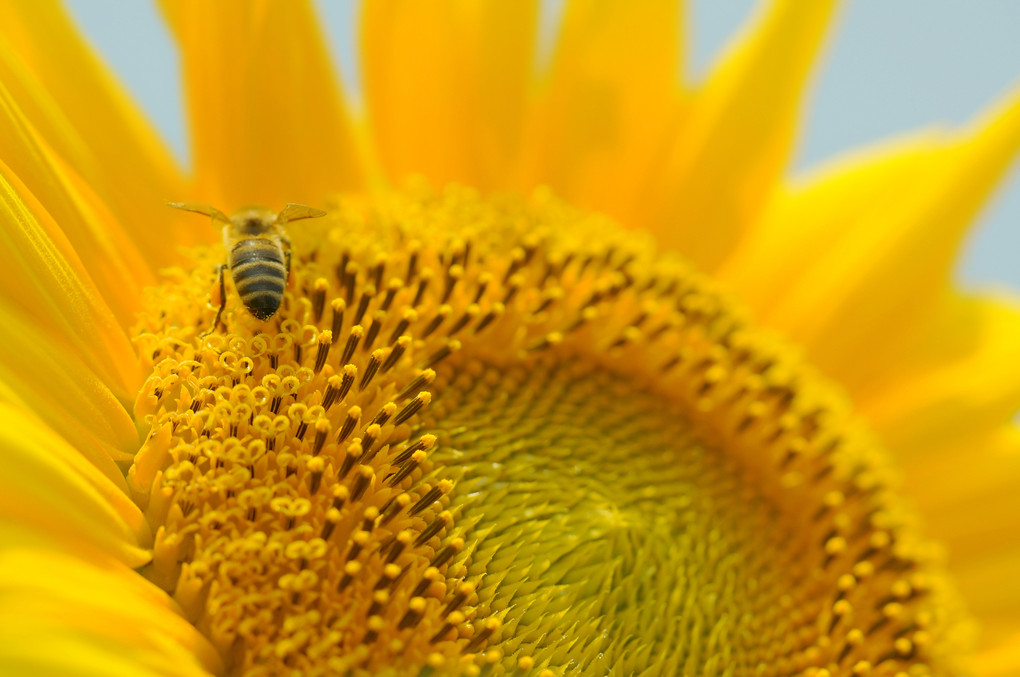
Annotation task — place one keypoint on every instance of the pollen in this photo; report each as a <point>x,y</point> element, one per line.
<point>503,436</point>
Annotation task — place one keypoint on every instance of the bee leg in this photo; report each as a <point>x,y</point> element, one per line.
<point>223,303</point>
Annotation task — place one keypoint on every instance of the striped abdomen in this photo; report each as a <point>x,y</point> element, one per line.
<point>259,273</point>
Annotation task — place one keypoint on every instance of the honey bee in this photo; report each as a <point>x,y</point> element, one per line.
<point>258,253</point>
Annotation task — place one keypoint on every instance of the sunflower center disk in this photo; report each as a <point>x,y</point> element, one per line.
<point>605,533</point>
<point>499,436</point>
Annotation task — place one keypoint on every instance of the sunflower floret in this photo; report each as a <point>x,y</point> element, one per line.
<point>505,435</point>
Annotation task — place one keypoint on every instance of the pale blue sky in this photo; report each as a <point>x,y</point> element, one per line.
<point>894,65</point>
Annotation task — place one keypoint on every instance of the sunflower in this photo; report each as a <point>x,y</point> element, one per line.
<point>570,379</point>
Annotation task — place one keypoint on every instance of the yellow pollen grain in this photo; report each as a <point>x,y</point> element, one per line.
<point>495,436</point>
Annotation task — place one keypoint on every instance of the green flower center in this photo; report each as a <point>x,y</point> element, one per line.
<point>609,538</point>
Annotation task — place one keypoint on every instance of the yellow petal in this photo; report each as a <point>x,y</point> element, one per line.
<point>802,219</point>
<point>61,616</point>
<point>42,375</point>
<point>1002,659</point>
<point>42,276</point>
<point>446,83</point>
<point>992,593</point>
<point>891,265</point>
<point>97,239</point>
<point>968,496</point>
<point>966,491</point>
<point>49,486</point>
<point>268,123</point>
<point>948,392</point>
<point>738,135</point>
<point>43,651</point>
<point>90,122</point>
<point>610,101</point>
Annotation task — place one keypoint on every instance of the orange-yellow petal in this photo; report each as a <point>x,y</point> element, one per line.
<point>738,135</point>
<point>890,265</point>
<point>49,486</point>
<point>605,111</point>
<point>267,119</point>
<point>446,85</point>
<point>969,499</point>
<point>40,373</point>
<point>61,616</point>
<point>90,122</point>
<point>98,240</point>
<point>1002,660</point>
<point>953,391</point>
<point>934,373</point>
<point>41,274</point>
<point>801,219</point>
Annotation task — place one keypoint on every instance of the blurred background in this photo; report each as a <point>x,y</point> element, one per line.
<point>892,66</point>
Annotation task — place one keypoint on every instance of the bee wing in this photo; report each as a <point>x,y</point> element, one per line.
<point>199,208</point>
<point>293,212</point>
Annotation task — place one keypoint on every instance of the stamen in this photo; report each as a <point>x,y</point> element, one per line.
<point>464,591</point>
<point>447,553</point>
<point>378,317</point>
<point>516,260</point>
<point>350,281</point>
<point>372,368</point>
<point>332,393</point>
<point>440,317</point>
<point>378,270</point>
<point>513,285</point>
<point>441,354</point>
<point>396,352</point>
<point>319,298</point>
<point>384,414</point>
<point>338,306</point>
<point>452,621</point>
<point>392,288</point>
<point>406,469</point>
<point>353,416</point>
<point>362,481</point>
<point>322,429</point>
<point>424,444</point>
<point>444,487</point>
<point>394,508</point>
<point>316,467</point>
<point>484,280</point>
<point>366,298</point>
<point>413,407</point>
<point>444,520</point>
<point>406,319</point>
<point>490,626</point>
<point>412,265</point>
<point>346,381</point>
<point>324,342</point>
<point>372,433</point>
<point>453,275</point>
<point>423,283</point>
<point>496,310</point>
<point>402,540</point>
<point>352,343</point>
<point>414,613</point>
<point>470,313</point>
<point>423,379</point>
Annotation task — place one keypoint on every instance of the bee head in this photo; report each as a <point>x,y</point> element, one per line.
<point>253,220</point>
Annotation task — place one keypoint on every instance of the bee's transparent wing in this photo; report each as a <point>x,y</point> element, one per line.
<point>199,208</point>
<point>293,212</point>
